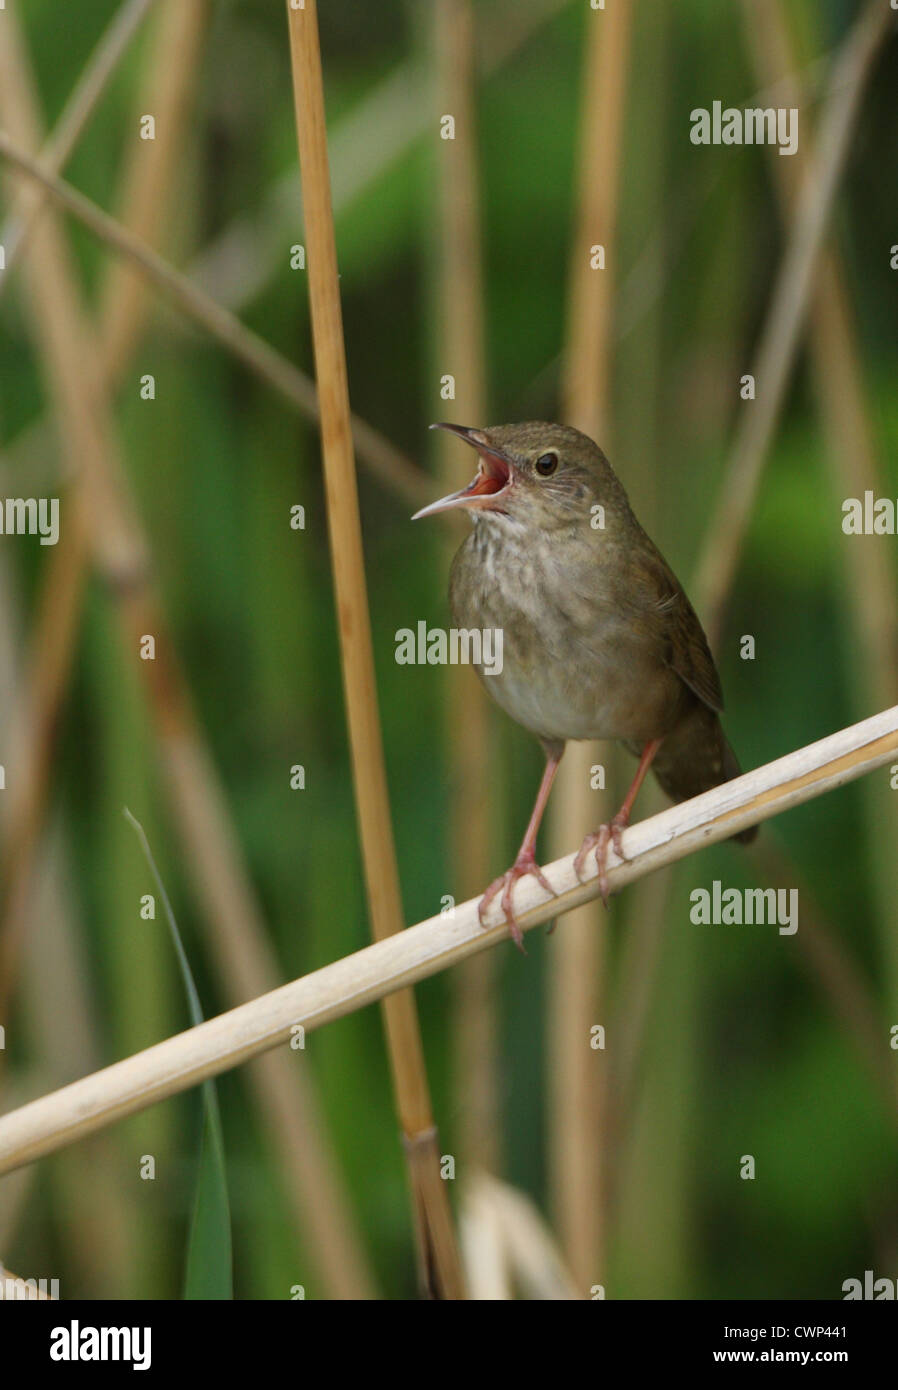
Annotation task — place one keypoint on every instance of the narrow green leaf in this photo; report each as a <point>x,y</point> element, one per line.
<point>209,1273</point>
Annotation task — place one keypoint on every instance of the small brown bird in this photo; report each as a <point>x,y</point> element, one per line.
<point>599,639</point>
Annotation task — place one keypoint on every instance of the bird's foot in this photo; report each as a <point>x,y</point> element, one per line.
<point>597,842</point>
<point>504,884</point>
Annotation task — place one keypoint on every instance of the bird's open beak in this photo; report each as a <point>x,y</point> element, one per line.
<point>493,476</point>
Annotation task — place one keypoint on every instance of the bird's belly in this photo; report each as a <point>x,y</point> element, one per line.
<point>592,698</point>
<point>571,668</point>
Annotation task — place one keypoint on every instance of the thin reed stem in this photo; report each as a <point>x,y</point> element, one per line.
<point>576,1073</point>
<point>461,353</point>
<point>439,1264</point>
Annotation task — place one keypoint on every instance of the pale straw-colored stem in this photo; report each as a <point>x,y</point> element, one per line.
<point>460,349</point>
<point>575,1074</point>
<point>401,959</point>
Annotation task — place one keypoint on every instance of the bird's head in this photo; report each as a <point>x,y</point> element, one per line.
<point>536,474</point>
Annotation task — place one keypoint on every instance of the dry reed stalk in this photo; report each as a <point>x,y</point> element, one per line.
<point>577,983</point>
<point>147,181</point>
<point>384,460</point>
<point>439,1265</point>
<point>854,468</point>
<point>403,958</point>
<point>213,857</point>
<point>461,337</point>
<point>791,294</point>
<point>79,108</point>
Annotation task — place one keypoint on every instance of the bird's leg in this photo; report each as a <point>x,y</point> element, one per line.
<point>598,840</point>
<point>526,860</point>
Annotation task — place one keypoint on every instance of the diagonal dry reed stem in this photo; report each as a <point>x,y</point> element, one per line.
<point>213,856</point>
<point>78,110</point>
<point>439,1264</point>
<point>575,1072</point>
<point>401,959</point>
<point>385,462</point>
<point>791,295</point>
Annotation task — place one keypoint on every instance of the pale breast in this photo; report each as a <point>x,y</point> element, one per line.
<point>571,668</point>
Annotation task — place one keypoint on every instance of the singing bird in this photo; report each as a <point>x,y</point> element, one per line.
<point>599,639</point>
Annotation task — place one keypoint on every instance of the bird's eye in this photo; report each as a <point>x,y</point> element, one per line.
<point>546,465</point>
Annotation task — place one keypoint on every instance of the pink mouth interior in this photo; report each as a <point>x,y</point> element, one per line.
<point>492,475</point>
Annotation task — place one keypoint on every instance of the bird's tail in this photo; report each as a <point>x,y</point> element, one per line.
<point>696,757</point>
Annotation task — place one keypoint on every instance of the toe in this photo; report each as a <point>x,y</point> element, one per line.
<point>542,880</point>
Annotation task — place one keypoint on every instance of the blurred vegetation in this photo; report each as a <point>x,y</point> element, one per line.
<point>743,1053</point>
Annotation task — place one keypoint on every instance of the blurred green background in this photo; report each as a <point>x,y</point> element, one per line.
<point>743,1052</point>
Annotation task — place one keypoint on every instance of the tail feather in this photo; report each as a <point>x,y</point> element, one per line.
<point>695,757</point>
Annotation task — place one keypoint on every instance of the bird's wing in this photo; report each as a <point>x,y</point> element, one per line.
<point>664,606</point>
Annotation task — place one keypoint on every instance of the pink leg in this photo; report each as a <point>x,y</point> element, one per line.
<point>598,840</point>
<point>526,860</point>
